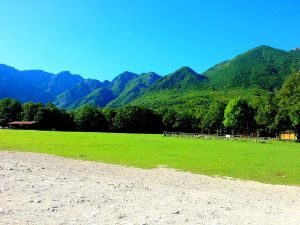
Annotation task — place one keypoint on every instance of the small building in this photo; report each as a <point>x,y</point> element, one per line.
<point>23,124</point>
<point>288,136</point>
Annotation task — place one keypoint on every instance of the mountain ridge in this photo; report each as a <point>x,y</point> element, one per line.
<point>263,67</point>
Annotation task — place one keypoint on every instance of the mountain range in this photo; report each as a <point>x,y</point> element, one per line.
<point>260,69</point>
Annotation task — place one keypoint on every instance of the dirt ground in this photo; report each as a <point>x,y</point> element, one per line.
<point>42,189</point>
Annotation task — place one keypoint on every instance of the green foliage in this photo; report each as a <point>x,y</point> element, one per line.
<point>183,78</point>
<point>29,111</point>
<point>289,101</point>
<point>262,67</point>
<point>178,121</point>
<point>212,121</point>
<point>100,98</point>
<point>190,101</point>
<point>49,117</point>
<point>136,119</point>
<point>238,115</point>
<point>169,118</point>
<point>110,115</point>
<point>76,93</point>
<point>185,122</point>
<point>118,83</point>
<point>266,111</point>
<point>10,110</point>
<point>134,89</point>
<point>89,118</point>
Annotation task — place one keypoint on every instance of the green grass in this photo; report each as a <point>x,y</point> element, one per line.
<point>276,162</point>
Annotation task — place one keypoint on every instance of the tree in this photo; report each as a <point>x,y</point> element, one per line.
<point>55,118</point>
<point>289,103</point>
<point>110,115</point>
<point>29,111</point>
<point>89,118</point>
<point>185,122</point>
<point>266,111</point>
<point>238,115</point>
<point>137,119</point>
<point>168,119</point>
<point>49,117</point>
<point>41,117</point>
<point>10,110</point>
<point>212,120</point>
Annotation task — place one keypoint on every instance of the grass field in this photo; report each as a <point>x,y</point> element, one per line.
<point>276,162</point>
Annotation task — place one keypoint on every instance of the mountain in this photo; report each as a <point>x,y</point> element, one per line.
<point>134,89</point>
<point>119,82</point>
<point>172,90</point>
<point>64,89</point>
<point>76,93</point>
<point>183,78</point>
<point>94,92</point>
<point>256,71</point>
<point>262,67</point>
<point>61,82</point>
<point>34,85</point>
<point>99,97</point>
<point>150,89</point>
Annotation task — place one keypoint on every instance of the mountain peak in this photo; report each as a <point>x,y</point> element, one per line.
<point>135,88</point>
<point>64,73</point>
<point>150,74</point>
<point>184,78</point>
<point>186,69</point>
<point>126,73</point>
<point>119,82</point>
<point>261,67</point>
<point>4,67</point>
<point>263,48</point>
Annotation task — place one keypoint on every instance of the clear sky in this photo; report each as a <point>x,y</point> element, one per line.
<point>102,38</point>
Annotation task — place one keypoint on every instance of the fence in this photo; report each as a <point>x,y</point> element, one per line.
<point>217,137</point>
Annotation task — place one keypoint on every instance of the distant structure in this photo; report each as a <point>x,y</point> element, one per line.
<point>289,136</point>
<point>22,124</point>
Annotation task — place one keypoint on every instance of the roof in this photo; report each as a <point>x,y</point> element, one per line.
<point>22,122</point>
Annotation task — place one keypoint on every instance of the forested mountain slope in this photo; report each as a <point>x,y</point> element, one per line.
<point>262,69</point>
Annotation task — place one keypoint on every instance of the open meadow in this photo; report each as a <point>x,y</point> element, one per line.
<point>274,163</point>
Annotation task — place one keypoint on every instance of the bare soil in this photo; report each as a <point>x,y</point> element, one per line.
<point>43,189</point>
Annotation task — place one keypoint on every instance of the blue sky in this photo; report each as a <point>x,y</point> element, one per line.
<point>102,38</point>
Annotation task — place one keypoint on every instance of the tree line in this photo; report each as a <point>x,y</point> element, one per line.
<point>271,114</point>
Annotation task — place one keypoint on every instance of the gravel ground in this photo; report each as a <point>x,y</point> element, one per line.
<point>43,189</point>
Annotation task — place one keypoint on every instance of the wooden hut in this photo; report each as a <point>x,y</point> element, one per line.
<point>23,124</point>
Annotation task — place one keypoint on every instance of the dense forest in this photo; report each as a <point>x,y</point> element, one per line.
<point>269,113</point>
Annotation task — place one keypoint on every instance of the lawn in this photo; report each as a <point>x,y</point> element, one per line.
<point>275,163</point>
